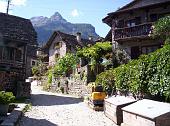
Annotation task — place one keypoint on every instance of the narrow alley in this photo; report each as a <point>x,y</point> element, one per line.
<point>50,109</point>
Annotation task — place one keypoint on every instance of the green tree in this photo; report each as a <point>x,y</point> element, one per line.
<point>96,53</point>
<point>65,64</point>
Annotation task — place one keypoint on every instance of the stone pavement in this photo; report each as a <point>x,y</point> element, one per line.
<point>50,109</point>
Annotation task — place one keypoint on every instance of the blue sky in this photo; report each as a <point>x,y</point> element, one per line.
<point>75,11</point>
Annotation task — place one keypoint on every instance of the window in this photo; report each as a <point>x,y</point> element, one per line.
<point>153,17</point>
<point>149,49</point>
<point>8,53</point>
<point>131,23</point>
<point>57,56</point>
<point>18,55</point>
<point>33,63</point>
<point>135,52</point>
<point>69,49</point>
<point>138,20</point>
<point>121,24</point>
<point>57,45</point>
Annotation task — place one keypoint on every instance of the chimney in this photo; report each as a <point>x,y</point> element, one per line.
<point>91,38</point>
<point>78,36</point>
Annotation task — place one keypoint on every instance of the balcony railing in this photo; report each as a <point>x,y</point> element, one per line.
<point>12,57</point>
<point>12,63</point>
<point>141,30</point>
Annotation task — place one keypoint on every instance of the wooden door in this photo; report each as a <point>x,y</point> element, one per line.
<point>135,52</point>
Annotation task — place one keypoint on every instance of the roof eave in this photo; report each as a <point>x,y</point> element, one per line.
<point>49,42</point>
<point>107,20</point>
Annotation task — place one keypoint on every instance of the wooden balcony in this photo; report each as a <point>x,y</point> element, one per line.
<point>12,57</point>
<point>138,31</point>
<point>12,63</point>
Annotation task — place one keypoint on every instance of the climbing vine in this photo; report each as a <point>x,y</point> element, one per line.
<point>96,53</point>
<point>65,64</point>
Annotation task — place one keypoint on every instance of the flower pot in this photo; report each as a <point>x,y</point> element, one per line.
<point>4,109</point>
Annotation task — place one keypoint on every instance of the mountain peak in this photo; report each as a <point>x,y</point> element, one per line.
<point>57,17</point>
<point>35,20</point>
<point>46,26</point>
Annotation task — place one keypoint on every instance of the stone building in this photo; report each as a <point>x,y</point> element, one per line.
<point>131,26</point>
<point>17,51</point>
<point>58,45</point>
<point>61,43</point>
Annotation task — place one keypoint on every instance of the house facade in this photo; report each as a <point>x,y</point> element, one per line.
<point>17,49</point>
<point>61,43</point>
<point>131,26</point>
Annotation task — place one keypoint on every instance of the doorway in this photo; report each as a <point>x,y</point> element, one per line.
<point>135,52</point>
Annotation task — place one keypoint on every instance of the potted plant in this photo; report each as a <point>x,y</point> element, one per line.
<point>5,99</point>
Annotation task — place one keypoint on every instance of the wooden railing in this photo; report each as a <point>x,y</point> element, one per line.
<point>12,63</point>
<point>13,59</point>
<point>141,30</point>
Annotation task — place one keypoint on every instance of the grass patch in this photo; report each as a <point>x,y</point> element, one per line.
<point>20,100</point>
<point>27,108</point>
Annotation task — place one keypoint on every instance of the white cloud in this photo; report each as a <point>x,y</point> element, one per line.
<point>75,13</point>
<point>3,4</point>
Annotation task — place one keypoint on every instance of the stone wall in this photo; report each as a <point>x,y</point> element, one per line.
<point>61,50</point>
<point>76,84</point>
<point>8,81</point>
<point>11,82</point>
<point>23,89</point>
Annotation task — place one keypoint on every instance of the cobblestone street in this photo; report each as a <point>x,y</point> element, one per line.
<point>50,109</point>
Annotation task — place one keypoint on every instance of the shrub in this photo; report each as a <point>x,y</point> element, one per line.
<point>106,79</point>
<point>159,72</point>
<point>162,27</point>
<point>6,97</point>
<point>149,75</point>
<point>50,75</point>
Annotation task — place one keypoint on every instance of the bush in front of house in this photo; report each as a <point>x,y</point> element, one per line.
<point>106,79</point>
<point>162,28</point>
<point>6,97</point>
<point>149,75</point>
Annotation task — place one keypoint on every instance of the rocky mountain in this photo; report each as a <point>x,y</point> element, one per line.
<point>45,27</point>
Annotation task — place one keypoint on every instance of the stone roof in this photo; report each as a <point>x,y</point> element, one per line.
<point>17,28</point>
<point>141,3</point>
<point>68,39</point>
<point>135,4</point>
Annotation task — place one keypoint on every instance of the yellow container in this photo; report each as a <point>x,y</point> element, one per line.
<point>98,95</point>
